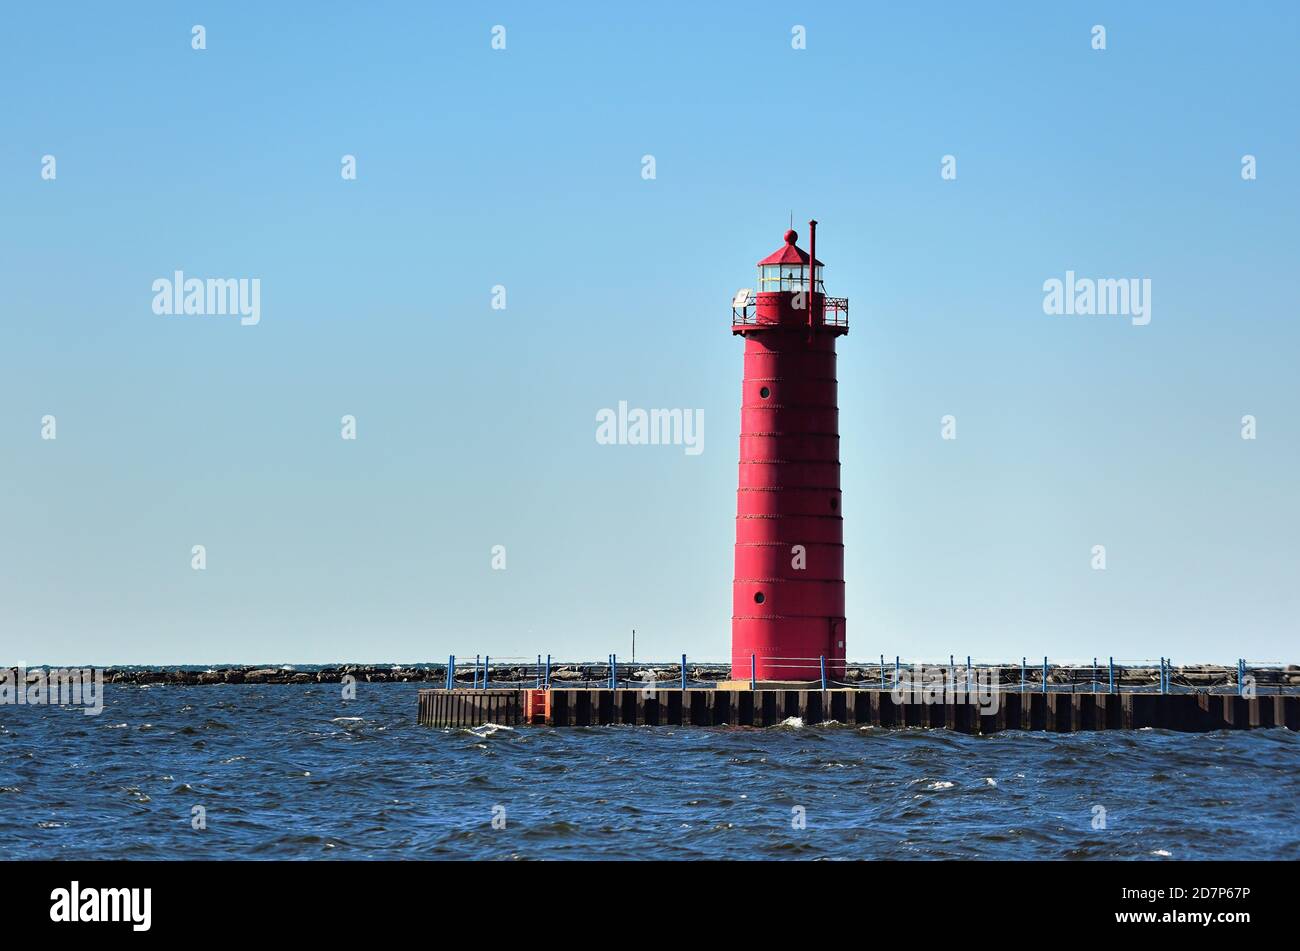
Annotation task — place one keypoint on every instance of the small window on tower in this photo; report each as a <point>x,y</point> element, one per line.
<point>765,392</point>
<point>835,504</point>
<point>758,597</point>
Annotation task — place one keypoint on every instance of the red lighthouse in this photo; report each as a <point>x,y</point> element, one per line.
<point>788,593</point>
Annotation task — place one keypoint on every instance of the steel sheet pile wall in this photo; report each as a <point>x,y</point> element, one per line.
<point>1054,712</point>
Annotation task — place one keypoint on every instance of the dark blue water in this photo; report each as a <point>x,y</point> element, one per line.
<point>297,772</point>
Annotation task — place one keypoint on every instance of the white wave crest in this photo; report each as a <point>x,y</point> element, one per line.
<point>487,729</point>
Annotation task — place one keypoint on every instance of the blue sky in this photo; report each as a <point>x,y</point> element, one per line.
<point>476,427</point>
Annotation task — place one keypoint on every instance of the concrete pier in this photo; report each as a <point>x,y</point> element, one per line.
<point>1053,712</point>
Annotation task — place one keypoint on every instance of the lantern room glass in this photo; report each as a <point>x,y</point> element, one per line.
<point>786,277</point>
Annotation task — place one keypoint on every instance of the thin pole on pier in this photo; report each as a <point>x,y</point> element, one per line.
<point>683,673</point>
<point>539,671</point>
<point>882,671</point>
<point>478,658</point>
<point>486,673</point>
<point>969,679</point>
<point>896,670</point>
<point>1094,673</point>
<point>952,672</point>
<point>1044,675</point>
<point>451,670</point>
<point>1241,677</point>
<point>1024,673</point>
<point>753,673</point>
<point>613,671</point>
<point>1112,675</point>
<point>823,661</point>
<point>548,671</point>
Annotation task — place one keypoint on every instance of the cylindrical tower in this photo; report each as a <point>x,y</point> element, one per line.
<point>788,593</point>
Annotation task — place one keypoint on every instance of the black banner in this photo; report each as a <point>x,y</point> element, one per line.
<point>185,899</point>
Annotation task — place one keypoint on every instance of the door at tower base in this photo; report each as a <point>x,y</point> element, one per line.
<point>788,591</point>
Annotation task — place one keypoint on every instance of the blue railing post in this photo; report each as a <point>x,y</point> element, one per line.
<point>683,672</point>
<point>1112,675</point>
<point>538,671</point>
<point>478,659</point>
<point>1241,677</point>
<point>451,671</point>
<point>897,671</point>
<point>613,671</point>
<point>1024,674</point>
<point>882,671</point>
<point>969,680</point>
<point>823,662</point>
<point>753,673</point>
<point>952,675</point>
<point>548,671</point>
<point>486,672</point>
<point>1044,675</point>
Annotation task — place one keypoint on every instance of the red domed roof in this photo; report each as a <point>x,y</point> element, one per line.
<point>790,253</point>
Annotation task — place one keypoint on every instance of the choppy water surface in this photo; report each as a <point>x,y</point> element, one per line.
<point>296,772</point>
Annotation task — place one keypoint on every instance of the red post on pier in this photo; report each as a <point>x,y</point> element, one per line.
<point>788,593</point>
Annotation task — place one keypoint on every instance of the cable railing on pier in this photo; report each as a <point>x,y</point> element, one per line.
<point>1102,675</point>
